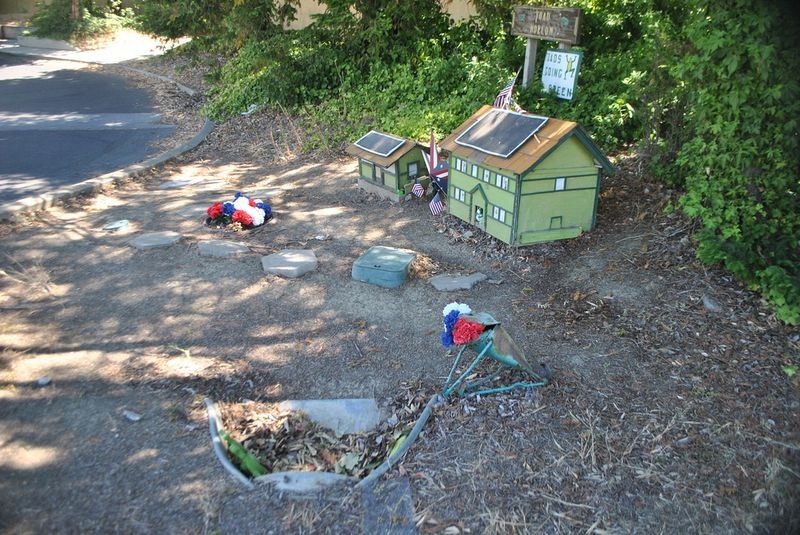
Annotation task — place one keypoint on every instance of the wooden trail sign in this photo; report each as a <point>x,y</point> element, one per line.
<point>560,24</point>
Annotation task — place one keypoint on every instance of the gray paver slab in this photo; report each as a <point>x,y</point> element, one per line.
<point>302,482</point>
<point>155,239</point>
<point>449,283</point>
<point>343,416</point>
<point>180,183</point>
<point>290,263</point>
<point>221,248</point>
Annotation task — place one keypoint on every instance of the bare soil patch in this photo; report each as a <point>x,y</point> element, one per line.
<point>669,409</point>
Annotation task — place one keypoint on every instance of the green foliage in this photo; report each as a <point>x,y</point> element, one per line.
<point>54,20</point>
<point>741,155</point>
<point>224,25</point>
<point>198,19</point>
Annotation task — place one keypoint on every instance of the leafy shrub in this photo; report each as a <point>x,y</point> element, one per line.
<point>54,20</point>
<point>741,157</point>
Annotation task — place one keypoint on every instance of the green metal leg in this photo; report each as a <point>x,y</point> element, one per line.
<point>470,388</point>
<point>449,389</point>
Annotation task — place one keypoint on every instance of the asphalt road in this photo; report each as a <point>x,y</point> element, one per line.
<point>61,124</point>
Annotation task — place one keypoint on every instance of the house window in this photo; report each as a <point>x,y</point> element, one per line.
<point>486,174</point>
<point>561,183</point>
<point>389,170</point>
<point>461,165</point>
<point>475,170</point>
<point>499,214</point>
<point>413,170</point>
<point>501,181</point>
<point>458,194</point>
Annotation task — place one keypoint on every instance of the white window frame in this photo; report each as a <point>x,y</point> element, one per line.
<point>501,181</point>
<point>561,184</point>
<point>487,175</point>
<point>474,171</point>
<point>459,194</point>
<point>415,166</point>
<point>498,214</point>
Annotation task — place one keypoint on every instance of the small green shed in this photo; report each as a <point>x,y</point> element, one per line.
<point>523,178</point>
<point>387,164</point>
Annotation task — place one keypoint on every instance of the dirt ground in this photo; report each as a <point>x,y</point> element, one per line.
<point>669,409</point>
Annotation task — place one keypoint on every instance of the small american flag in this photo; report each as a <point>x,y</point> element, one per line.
<point>436,205</point>
<point>512,104</point>
<point>418,190</point>
<point>501,101</point>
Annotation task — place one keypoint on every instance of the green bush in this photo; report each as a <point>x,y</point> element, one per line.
<point>54,20</point>
<point>741,157</point>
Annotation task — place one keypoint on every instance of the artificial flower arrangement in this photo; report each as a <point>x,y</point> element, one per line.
<point>458,329</point>
<point>247,212</point>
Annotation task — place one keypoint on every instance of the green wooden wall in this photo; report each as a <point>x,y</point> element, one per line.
<point>392,181</point>
<point>478,188</point>
<point>556,199</point>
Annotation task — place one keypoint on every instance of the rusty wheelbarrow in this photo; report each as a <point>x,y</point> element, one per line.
<point>496,344</point>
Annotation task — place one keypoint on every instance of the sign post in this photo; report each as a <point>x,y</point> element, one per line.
<point>548,23</point>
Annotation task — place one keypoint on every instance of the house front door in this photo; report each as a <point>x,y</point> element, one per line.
<point>478,206</point>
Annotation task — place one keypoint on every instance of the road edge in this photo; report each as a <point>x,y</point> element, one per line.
<point>10,211</point>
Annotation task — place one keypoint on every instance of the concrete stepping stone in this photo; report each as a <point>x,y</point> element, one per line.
<point>290,263</point>
<point>302,482</point>
<point>342,416</point>
<point>221,248</point>
<point>153,240</point>
<point>179,183</point>
<point>449,283</point>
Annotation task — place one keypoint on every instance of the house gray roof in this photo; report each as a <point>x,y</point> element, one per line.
<point>532,151</point>
<point>383,161</point>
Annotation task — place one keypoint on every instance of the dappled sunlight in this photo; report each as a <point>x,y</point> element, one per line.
<point>374,234</point>
<point>15,185</point>
<point>38,70</point>
<point>15,334</point>
<point>28,456</point>
<point>104,202</point>
<point>318,213</point>
<point>313,296</point>
<point>65,366</point>
<point>147,454</point>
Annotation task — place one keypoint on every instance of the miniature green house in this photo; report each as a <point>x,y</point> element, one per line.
<point>522,178</point>
<point>387,165</point>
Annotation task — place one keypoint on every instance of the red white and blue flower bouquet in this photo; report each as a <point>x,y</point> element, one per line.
<point>460,327</point>
<point>242,212</point>
<point>483,334</point>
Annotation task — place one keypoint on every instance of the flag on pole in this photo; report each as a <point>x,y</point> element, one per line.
<point>503,97</point>
<point>418,190</point>
<point>436,205</point>
<point>433,151</point>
